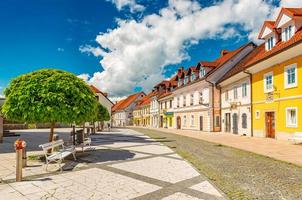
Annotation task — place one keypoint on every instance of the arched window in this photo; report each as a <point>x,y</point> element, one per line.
<point>244,120</point>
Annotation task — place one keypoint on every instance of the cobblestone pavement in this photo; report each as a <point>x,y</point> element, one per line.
<point>123,164</point>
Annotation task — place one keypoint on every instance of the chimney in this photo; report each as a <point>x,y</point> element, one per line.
<point>180,70</point>
<point>223,52</point>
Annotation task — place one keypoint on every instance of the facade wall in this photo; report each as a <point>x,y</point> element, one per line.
<point>280,100</point>
<point>166,117</point>
<point>106,103</point>
<point>195,101</point>
<point>242,108</point>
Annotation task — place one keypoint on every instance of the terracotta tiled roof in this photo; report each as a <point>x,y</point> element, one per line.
<point>164,95</point>
<point>121,105</point>
<point>145,100</point>
<point>279,47</point>
<point>97,91</point>
<point>222,59</point>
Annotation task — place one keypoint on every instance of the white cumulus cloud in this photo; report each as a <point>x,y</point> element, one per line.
<point>135,53</point>
<point>96,51</point>
<point>85,77</point>
<point>131,4</point>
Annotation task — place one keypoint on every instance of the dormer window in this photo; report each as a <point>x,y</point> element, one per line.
<point>270,43</point>
<point>287,33</point>
<point>193,76</point>
<point>202,72</point>
<point>179,82</point>
<point>186,80</point>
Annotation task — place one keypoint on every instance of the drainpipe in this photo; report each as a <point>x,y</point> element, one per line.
<point>251,94</point>
<point>213,115</point>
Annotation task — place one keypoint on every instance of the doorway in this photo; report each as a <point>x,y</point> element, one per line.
<point>235,123</point>
<point>270,124</point>
<point>161,122</point>
<point>178,119</point>
<point>201,123</point>
<point>228,122</point>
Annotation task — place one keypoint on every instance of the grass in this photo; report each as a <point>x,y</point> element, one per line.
<point>239,174</point>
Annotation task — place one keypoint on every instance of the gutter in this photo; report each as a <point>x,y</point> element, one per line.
<point>251,94</point>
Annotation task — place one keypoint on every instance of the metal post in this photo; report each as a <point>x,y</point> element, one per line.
<point>74,133</point>
<point>19,165</point>
<point>1,129</point>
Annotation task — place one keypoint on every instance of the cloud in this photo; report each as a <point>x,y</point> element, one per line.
<point>131,4</point>
<point>85,77</point>
<point>60,49</point>
<point>96,51</point>
<point>136,52</point>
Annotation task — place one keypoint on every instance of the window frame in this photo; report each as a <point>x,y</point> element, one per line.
<point>235,92</point>
<point>244,90</point>
<point>290,85</point>
<point>265,83</point>
<point>244,123</point>
<point>192,120</point>
<point>289,125</point>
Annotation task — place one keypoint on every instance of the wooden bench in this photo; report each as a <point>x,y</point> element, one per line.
<point>296,138</point>
<point>57,156</point>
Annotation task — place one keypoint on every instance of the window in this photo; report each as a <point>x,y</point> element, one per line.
<point>288,33</point>
<point>193,76</point>
<point>192,120</point>
<point>268,82</point>
<point>235,92</point>
<point>291,117</point>
<point>270,43</point>
<point>244,120</point>
<point>184,120</point>
<point>165,105</point>
<point>179,82</point>
<point>217,121</point>
<point>290,76</point>
<point>202,72</point>
<point>170,103</point>
<point>186,80</point>
<point>226,95</point>
<point>200,98</point>
<point>244,89</point>
<point>192,100</point>
<point>184,101</point>
<point>177,102</point>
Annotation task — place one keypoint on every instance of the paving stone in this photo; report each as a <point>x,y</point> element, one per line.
<point>165,169</point>
<point>180,196</point>
<point>206,187</point>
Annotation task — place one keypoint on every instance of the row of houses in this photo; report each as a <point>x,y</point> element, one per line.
<point>254,90</point>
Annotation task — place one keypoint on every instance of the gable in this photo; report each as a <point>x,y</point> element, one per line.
<point>283,20</point>
<point>266,32</point>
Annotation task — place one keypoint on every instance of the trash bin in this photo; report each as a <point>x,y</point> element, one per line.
<point>80,138</point>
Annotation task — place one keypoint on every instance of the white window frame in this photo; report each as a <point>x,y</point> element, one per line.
<point>184,119</point>
<point>270,43</point>
<point>192,121</point>
<point>202,72</point>
<point>235,92</point>
<point>244,89</point>
<point>288,125</point>
<point>291,85</point>
<point>288,32</point>
<point>264,82</point>
<point>193,76</point>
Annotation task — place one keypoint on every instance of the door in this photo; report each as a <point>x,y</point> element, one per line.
<point>270,124</point>
<point>228,122</point>
<point>178,122</point>
<point>161,122</point>
<point>235,123</point>
<point>201,123</point>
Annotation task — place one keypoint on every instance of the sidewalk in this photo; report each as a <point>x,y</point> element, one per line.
<point>280,150</point>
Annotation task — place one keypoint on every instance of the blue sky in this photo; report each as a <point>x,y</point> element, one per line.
<point>39,34</point>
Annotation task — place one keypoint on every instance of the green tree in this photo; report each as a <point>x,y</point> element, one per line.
<point>103,115</point>
<point>49,96</point>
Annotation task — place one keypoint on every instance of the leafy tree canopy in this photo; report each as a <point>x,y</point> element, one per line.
<point>103,114</point>
<point>49,95</point>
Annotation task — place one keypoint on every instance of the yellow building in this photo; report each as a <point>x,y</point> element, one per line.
<point>166,110</point>
<point>141,112</point>
<point>276,77</point>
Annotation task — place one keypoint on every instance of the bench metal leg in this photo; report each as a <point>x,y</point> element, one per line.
<point>74,157</point>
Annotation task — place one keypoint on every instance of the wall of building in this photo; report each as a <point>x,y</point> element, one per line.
<point>281,99</point>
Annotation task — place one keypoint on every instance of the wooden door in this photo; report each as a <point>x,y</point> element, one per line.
<point>235,123</point>
<point>201,123</point>
<point>270,124</point>
<point>178,122</point>
<point>227,122</point>
<point>161,122</point>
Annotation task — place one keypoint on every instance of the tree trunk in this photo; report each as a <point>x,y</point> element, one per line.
<point>52,127</point>
<point>99,128</point>
<point>94,127</point>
